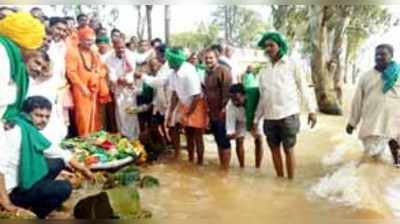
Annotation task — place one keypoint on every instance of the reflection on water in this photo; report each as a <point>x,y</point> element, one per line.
<point>328,185</point>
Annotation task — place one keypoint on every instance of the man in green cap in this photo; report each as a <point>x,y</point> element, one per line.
<point>103,46</point>
<point>281,81</point>
<point>187,108</point>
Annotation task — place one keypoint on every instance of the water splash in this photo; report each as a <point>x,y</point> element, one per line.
<point>361,186</point>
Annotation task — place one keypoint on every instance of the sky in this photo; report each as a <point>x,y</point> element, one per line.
<point>183,17</point>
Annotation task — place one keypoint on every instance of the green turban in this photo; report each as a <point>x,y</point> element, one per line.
<point>276,37</point>
<point>103,40</point>
<point>175,57</point>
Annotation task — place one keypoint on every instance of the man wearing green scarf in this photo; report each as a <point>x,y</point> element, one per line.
<point>375,106</point>
<point>282,85</point>
<point>187,109</point>
<point>29,167</point>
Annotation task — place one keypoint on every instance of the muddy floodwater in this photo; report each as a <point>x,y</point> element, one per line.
<point>329,185</point>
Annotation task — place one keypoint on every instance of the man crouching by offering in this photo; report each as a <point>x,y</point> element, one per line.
<point>30,163</point>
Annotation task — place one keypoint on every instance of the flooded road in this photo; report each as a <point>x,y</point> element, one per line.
<point>328,185</point>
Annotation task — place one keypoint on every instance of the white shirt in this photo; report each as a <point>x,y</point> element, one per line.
<point>186,83</point>
<point>281,86</point>
<point>117,67</point>
<point>372,110</point>
<point>142,57</point>
<point>235,120</point>
<point>57,52</point>
<point>234,68</point>
<point>9,162</point>
<point>160,82</point>
<point>8,87</point>
<point>56,130</point>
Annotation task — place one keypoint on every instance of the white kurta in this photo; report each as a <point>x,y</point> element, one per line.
<point>9,162</point>
<point>7,85</point>
<point>373,111</point>
<point>127,124</point>
<point>186,83</point>
<point>57,52</point>
<point>234,68</point>
<point>56,130</point>
<point>235,121</point>
<point>162,91</point>
<point>143,57</point>
<point>8,89</point>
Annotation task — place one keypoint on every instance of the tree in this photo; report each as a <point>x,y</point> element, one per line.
<point>241,25</point>
<point>330,32</point>
<point>320,16</point>
<point>366,20</point>
<point>107,15</point>
<point>290,20</point>
<point>149,21</point>
<point>140,22</point>
<point>167,18</point>
<point>203,36</point>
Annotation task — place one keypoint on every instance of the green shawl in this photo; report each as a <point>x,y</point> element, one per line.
<point>33,166</point>
<point>390,76</point>
<point>250,80</point>
<point>250,106</point>
<point>19,75</point>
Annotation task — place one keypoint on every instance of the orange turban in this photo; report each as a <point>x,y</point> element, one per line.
<point>86,33</point>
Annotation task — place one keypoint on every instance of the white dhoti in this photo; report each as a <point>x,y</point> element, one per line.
<point>128,124</point>
<point>375,145</point>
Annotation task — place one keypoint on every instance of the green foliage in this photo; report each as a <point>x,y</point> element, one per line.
<point>203,36</point>
<point>365,20</point>
<point>240,24</point>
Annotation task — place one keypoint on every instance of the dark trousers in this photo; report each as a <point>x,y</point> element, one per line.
<point>45,195</point>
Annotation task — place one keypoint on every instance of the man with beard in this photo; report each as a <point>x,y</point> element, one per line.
<point>375,104</point>
<point>88,79</point>
<point>121,67</point>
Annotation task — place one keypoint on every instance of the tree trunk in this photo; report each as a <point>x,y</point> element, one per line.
<point>149,22</point>
<point>226,23</point>
<point>167,23</point>
<point>338,46</point>
<point>326,99</point>
<point>140,23</point>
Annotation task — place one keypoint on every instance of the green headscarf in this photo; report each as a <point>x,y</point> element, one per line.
<point>33,166</point>
<point>390,76</point>
<point>175,57</point>
<point>278,39</point>
<point>103,40</point>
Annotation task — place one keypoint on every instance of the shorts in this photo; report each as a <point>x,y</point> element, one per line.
<point>219,131</point>
<point>282,131</point>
